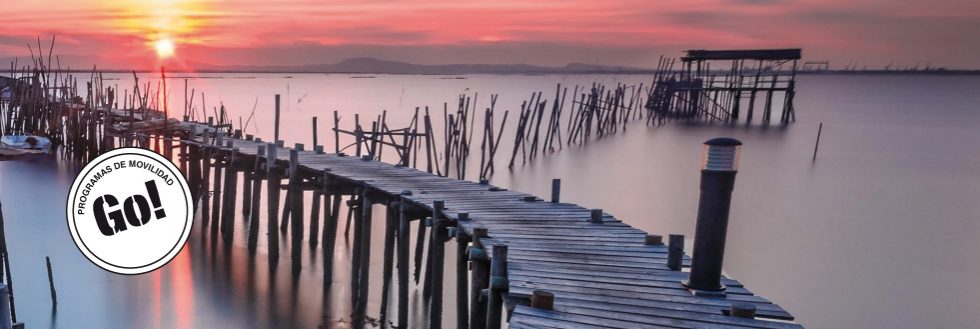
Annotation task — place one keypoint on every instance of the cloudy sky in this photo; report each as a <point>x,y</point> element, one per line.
<point>136,34</point>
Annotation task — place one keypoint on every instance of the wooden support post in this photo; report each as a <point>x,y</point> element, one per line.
<point>276,135</point>
<point>817,145</point>
<point>194,176</point>
<point>287,203</point>
<point>292,190</point>
<point>675,252</point>
<point>350,214</point>
<point>246,193</point>
<point>54,294</point>
<point>391,226</point>
<point>231,185</point>
<point>205,192</point>
<point>315,218</point>
<point>365,261</point>
<point>462,284</point>
<point>595,216</point>
<point>427,275</point>
<point>330,232</point>
<point>480,273</point>
<point>216,190</point>
<point>5,320</point>
<point>5,257</point>
<point>354,211</point>
<point>336,132</point>
<point>437,259</point>
<point>314,134</point>
<point>404,228</point>
<point>274,184</point>
<point>297,210</point>
<point>544,300</point>
<point>498,286</point>
<point>358,135</point>
<point>253,224</point>
<point>419,249</point>
<point>183,159</point>
<point>555,190</point>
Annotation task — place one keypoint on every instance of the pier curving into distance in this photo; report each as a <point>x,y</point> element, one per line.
<point>523,261</point>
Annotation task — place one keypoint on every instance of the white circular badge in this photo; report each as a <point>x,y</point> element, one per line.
<point>130,211</point>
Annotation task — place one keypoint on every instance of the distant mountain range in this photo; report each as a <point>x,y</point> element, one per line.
<point>367,65</point>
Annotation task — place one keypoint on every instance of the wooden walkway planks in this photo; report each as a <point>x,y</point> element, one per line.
<point>603,274</point>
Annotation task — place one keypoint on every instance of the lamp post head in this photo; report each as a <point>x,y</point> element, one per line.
<point>721,154</point>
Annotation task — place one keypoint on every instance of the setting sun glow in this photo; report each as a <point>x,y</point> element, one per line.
<point>164,48</point>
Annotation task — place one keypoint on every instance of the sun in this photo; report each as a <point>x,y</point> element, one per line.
<point>164,48</point>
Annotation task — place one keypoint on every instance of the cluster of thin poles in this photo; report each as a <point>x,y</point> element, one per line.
<point>595,112</point>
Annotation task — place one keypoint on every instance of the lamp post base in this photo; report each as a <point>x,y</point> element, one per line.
<point>720,288</point>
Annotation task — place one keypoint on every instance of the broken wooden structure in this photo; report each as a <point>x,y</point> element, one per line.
<point>725,86</point>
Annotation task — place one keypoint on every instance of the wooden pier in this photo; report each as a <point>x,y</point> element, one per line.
<point>531,262</point>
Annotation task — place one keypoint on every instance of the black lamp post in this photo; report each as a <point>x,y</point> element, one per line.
<point>717,182</point>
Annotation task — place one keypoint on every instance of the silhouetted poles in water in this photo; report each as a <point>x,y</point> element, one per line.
<point>600,111</point>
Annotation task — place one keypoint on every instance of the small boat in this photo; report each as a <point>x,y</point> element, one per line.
<point>25,142</point>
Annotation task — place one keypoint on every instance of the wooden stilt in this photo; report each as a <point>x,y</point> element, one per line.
<point>315,218</point>
<point>419,249</point>
<point>357,214</point>
<point>205,179</point>
<point>297,211</point>
<point>365,251</point>
<point>246,194</point>
<point>462,284</point>
<point>480,273</point>
<point>274,184</point>
<point>287,205</point>
<point>194,176</point>
<point>230,197</point>
<point>404,228</point>
<point>498,285</point>
<point>391,223</point>
<point>216,190</point>
<point>253,224</point>
<point>438,262</point>
<point>330,235</point>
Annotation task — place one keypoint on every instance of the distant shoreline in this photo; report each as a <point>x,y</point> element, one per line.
<point>625,72</point>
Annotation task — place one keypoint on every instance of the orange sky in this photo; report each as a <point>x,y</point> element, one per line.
<point>123,33</point>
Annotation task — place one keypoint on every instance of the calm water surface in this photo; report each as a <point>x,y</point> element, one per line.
<point>880,232</point>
